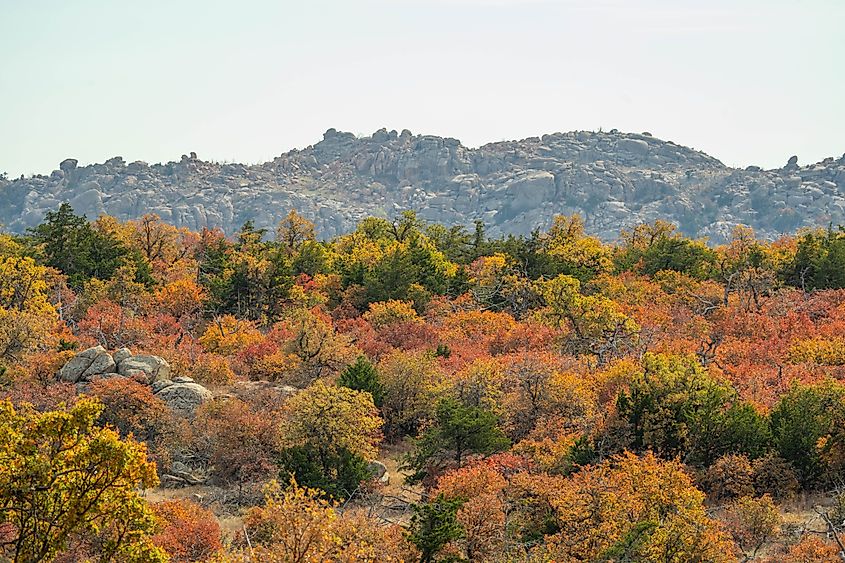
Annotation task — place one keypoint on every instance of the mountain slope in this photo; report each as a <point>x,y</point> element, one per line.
<point>613,179</point>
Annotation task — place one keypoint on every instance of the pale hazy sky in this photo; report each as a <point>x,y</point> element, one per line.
<point>748,81</point>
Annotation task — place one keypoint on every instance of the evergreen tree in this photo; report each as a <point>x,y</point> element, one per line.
<point>362,376</point>
<point>70,244</point>
<point>433,525</point>
<point>458,430</point>
<point>338,472</point>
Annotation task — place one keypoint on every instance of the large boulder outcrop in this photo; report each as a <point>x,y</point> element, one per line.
<point>182,394</point>
<point>530,189</point>
<point>614,179</point>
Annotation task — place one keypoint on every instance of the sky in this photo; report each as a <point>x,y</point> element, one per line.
<point>750,82</point>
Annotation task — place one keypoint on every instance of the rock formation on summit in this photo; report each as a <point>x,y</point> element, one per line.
<point>614,180</point>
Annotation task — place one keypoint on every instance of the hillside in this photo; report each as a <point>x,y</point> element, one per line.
<point>613,179</point>
<point>463,398</point>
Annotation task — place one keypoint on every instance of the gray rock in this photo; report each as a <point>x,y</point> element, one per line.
<point>378,471</point>
<point>530,190</point>
<point>184,398</point>
<point>157,386</point>
<point>88,200</point>
<point>73,370</point>
<point>633,145</point>
<point>153,367</point>
<point>187,475</point>
<point>121,354</point>
<point>68,165</point>
<point>514,186</point>
<point>136,374</point>
<point>103,364</point>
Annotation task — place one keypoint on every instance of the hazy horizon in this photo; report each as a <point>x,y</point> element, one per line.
<point>749,84</point>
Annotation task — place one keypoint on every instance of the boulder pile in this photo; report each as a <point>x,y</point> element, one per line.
<point>181,394</point>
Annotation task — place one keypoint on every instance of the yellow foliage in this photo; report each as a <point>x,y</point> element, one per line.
<point>9,246</point>
<point>567,241</point>
<point>330,417</point>
<point>590,316</point>
<point>300,524</point>
<point>600,509</point>
<point>480,384</point>
<point>549,453</point>
<point>412,384</point>
<point>819,351</point>
<point>279,366</point>
<point>617,376</point>
<point>299,297</point>
<point>63,479</point>
<point>211,369</point>
<point>22,332</point>
<point>294,230</point>
<point>388,312</point>
<point>180,297</point>
<point>26,315</point>
<point>487,269</point>
<point>228,335</point>
<point>474,324</point>
<point>23,286</point>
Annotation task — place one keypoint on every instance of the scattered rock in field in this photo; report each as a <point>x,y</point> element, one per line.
<point>378,470</point>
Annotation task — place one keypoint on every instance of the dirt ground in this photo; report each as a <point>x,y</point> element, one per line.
<point>230,518</point>
<point>391,502</point>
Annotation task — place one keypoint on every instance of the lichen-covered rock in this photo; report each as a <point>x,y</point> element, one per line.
<point>121,354</point>
<point>81,365</point>
<point>153,367</point>
<point>157,386</point>
<point>378,471</point>
<point>185,397</point>
<point>102,364</point>
<point>181,394</point>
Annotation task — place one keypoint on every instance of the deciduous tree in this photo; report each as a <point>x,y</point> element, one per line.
<point>64,481</point>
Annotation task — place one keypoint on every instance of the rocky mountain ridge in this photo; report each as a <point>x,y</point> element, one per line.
<point>613,179</point>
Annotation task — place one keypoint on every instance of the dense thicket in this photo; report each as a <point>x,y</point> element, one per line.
<point>679,390</point>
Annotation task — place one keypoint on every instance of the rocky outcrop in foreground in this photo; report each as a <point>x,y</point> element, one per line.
<point>181,394</point>
<point>612,179</point>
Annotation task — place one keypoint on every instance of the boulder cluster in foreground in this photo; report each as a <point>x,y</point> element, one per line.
<point>182,394</point>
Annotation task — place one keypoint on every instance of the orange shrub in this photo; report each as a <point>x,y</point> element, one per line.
<point>190,532</point>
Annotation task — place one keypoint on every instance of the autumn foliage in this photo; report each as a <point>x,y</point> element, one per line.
<point>547,397</point>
